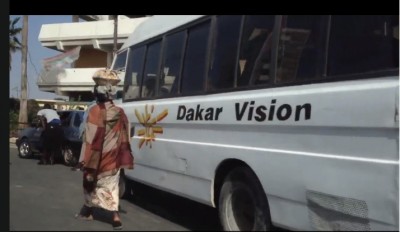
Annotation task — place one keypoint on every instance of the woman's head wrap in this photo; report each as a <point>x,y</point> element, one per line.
<point>106,76</point>
<point>106,81</point>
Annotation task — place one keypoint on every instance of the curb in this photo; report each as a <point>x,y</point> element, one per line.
<point>13,140</point>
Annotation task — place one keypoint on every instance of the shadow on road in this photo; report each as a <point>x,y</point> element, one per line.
<point>182,211</point>
<point>187,213</point>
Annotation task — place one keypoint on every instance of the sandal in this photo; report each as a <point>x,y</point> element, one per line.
<point>117,225</point>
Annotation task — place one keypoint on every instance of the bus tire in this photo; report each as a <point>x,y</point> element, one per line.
<point>243,205</point>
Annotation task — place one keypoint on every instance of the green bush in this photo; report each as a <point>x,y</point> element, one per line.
<point>13,122</point>
<point>33,108</point>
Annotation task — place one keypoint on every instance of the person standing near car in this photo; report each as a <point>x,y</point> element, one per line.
<point>105,150</point>
<point>52,135</point>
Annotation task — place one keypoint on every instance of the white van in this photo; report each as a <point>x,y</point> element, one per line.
<point>285,120</point>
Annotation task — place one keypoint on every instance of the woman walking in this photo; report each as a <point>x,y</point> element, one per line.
<point>105,150</point>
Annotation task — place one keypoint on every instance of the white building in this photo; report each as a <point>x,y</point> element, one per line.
<point>96,38</point>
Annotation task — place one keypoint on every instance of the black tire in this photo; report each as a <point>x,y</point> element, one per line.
<point>243,205</point>
<point>125,186</point>
<point>69,156</point>
<point>24,149</point>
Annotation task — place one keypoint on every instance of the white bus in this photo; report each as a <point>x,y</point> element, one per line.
<point>283,120</point>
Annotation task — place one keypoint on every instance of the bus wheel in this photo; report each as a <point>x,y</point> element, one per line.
<point>243,205</point>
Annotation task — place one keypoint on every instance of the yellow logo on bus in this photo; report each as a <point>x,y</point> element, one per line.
<point>149,123</point>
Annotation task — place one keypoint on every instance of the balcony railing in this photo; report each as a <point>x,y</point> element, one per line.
<point>68,80</point>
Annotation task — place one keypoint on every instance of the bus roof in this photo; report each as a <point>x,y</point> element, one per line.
<point>157,25</point>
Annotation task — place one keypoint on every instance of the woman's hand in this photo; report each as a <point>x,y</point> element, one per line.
<point>89,180</point>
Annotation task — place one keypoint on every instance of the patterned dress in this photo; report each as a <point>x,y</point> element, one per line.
<point>105,150</point>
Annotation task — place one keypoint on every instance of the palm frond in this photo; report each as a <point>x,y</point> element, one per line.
<point>15,48</point>
<point>14,31</point>
<point>15,21</point>
<point>13,39</point>
<point>17,41</point>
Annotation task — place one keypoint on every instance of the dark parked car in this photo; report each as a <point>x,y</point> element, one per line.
<point>29,141</point>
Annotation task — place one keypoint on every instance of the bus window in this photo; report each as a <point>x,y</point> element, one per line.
<point>119,65</point>
<point>195,59</point>
<point>256,45</point>
<point>120,61</point>
<point>222,67</point>
<point>170,71</point>
<point>151,70</point>
<point>133,76</point>
<point>301,48</point>
<point>363,43</point>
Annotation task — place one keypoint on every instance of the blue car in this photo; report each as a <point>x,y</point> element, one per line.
<point>29,139</point>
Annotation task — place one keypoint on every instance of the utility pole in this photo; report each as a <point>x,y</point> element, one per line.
<point>115,35</point>
<point>23,109</point>
<point>75,19</point>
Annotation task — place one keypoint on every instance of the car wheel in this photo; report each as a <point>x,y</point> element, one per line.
<point>243,205</point>
<point>24,149</point>
<point>69,156</point>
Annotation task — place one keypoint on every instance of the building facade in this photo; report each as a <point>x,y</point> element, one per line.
<point>95,36</point>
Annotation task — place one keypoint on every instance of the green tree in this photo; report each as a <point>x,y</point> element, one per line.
<point>33,108</point>
<point>14,31</point>
<point>14,104</point>
<point>13,116</point>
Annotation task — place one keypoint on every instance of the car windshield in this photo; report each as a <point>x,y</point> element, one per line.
<point>80,113</point>
<point>66,117</point>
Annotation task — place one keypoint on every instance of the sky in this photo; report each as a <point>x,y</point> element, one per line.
<point>37,54</point>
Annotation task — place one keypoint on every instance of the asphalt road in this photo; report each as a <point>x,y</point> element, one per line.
<point>46,198</point>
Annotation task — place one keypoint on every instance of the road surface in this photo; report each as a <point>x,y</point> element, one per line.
<point>48,197</point>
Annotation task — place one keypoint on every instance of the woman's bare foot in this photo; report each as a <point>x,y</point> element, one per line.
<point>85,218</point>
<point>85,213</point>
<point>117,225</point>
<point>116,216</point>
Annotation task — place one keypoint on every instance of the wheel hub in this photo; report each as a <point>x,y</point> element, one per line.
<point>24,149</point>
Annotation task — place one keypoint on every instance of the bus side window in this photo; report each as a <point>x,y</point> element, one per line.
<point>255,47</point>
<point>120,61</point>
<point>133,76</point>
<point>363,43</point>
<point>301,48</point>
<point>225,47</point>
<point>195,59</point>
<point>151,70</point>
<point>170,70</point>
